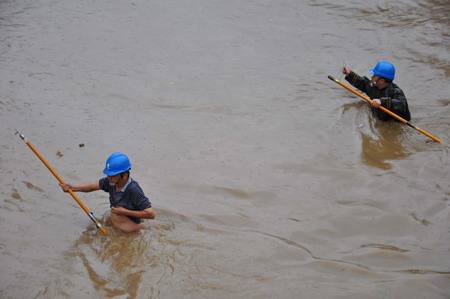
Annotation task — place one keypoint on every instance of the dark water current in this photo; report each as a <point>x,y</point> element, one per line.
<point>268,179</point>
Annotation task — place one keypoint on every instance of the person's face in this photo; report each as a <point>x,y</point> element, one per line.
<point>115,179</point>
<point>376,81</point>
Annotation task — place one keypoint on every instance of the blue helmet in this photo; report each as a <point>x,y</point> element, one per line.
<point>384,69</point>
<point>117,163</point>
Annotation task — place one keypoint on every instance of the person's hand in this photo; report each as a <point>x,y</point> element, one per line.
<point>65,187</point>
<point>346,70</point>
<point>376,103</point>
<point>119,210</point>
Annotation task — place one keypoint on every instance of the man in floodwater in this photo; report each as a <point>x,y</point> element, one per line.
<point>381,90</point>
<point>127,200</point>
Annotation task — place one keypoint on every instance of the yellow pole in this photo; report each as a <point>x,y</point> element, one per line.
<point>89,213</point>
<point>385,110</point>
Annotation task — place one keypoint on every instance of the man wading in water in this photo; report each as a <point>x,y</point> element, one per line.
<point>128,202</point>
<point>381,90</point>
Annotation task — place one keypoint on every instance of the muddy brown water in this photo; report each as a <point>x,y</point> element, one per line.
<point>268,179</point>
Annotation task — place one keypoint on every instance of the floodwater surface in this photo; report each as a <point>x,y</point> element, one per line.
<point>268,179</point>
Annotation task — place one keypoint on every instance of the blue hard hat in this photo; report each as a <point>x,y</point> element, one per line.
<point>117,163</point>
<point>384,69</point>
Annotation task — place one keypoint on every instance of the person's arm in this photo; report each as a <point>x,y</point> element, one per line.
<point>84,187</point>
<point>397,103</point>
<point>361,83</point>
<point>146,213</point>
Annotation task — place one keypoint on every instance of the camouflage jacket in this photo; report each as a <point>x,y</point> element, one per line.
<point>392,97</point>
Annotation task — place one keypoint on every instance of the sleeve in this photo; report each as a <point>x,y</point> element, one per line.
<point>397,103</point>
<point>362,83</point>
<point>104,184</point>
<point>140,201</point>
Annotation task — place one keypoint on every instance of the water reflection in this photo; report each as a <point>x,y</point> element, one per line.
<point>120,264</point>
<point>382,143</point>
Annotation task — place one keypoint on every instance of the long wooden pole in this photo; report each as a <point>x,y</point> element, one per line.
<point>80,203</point>
<point>385,110</point>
